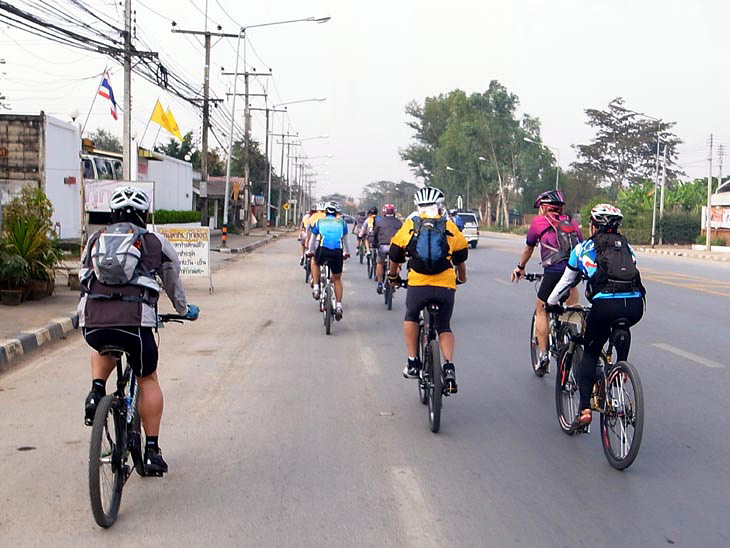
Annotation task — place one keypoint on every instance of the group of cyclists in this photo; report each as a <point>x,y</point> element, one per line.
<point>430,243</point>
<point>121,264</point>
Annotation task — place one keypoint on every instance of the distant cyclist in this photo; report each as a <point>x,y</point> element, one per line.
<point>614,289</point>
<point>557,234</point>
<point>303,226</point>
<point>458,221</point>
<point>430,279</point>
<point>118,307</point>
<point>366,230</point>
<point>329,245</point>
<point>384,229</point>
<point>359,221</point>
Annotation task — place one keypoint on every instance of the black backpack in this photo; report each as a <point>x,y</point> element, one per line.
<point>616,270</point>
<point>567,237</point>
<point>428,247</point>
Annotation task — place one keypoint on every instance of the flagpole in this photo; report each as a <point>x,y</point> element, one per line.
<point>96,93</point>
<point>148,123</point>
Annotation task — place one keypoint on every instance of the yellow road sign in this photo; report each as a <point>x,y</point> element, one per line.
<point>285,206</point>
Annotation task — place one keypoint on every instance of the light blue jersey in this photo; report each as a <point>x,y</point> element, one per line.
<point>583,260</point>
<point>330,231</point>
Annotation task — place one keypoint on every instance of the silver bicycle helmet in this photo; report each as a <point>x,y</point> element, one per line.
<point>606,215</point>
<point>129,196</point>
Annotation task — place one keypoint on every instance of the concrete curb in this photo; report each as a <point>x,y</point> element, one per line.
<point>30,341</point>
<point>247,248</point>
<point>684,253</point>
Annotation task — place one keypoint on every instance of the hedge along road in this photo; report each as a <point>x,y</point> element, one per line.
<point>277,435</point>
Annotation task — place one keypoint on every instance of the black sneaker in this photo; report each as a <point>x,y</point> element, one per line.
<point>379,289</point>
<point>301,261</point>
<point>412,369</point>
<point>154,464</point>
<point>450,386</point>
<point>92,401</point>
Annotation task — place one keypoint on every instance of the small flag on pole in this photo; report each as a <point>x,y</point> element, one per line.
<point>105,90</point>
<point>174,129</point>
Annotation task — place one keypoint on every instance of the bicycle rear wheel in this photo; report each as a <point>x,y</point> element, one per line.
<point>435,385</point>
<point>307,269</point>
<point>371,266</point>
<point>388,295</point>
<point>106,462</point>
<point>328,309</point>
<point>622,424</point>
<point>567,395</point>
<point>422,381</point>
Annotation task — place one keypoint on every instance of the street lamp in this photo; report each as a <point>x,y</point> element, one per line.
<point>314,99</point>
<point>449,168</point>
<point>556,149</point>
<point>242,33</point>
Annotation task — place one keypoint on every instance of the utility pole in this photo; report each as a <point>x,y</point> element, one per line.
<point>127,125</point>
<point>661,201</point>
<point>206,118</point>
<point>268,160</point>
<point>281,169</point>
<point>708,228</point>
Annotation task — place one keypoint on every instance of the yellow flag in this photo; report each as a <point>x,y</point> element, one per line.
<point>159,117</point>
<point>173,125</point>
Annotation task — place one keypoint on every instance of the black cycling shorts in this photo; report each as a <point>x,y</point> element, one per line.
<point>333,257</point>
<point>418,296</point>
<point>549,281</point>
<point>137,342</point>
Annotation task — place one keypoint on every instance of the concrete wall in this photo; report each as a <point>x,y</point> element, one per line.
<point>20,160</point>
<point>63,165</point>
<point>173,180</point>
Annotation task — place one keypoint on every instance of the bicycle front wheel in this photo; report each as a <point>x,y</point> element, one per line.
<point>622,424</point>
<point>435,386</point>
<point>106,462</point>
<point>567,395</point>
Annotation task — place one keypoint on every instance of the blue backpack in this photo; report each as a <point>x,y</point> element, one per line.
<point>428,248</point>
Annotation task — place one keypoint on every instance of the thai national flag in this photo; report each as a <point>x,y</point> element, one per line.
<point>105,90</point>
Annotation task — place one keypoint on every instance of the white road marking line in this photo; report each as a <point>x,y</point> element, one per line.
<point>415,515</point>
<point>689,356</point>
<point>369,361</point>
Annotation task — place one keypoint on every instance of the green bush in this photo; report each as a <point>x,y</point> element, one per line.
<point>679,228</point>
<point>637,236</point>
<point>718,241</point>
<point>169,216</point>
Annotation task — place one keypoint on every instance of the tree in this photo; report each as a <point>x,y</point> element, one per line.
<point>106,140</point>
<point>379,193</point>
<point>186,150</point>
<point>623,152</point>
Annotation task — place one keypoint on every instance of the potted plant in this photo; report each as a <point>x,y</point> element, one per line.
<point>13,275</point>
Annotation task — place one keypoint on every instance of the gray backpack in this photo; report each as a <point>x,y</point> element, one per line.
<point>116,254</point>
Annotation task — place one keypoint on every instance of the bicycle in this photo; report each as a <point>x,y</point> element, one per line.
<point>115,437</point>
<point>558,331</point>
<point>327,298</point>
<point>430,381</point>
<point>388,288</point>
<point>617,396</point>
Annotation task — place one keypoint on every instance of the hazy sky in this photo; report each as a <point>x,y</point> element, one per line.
<point>665,57</point>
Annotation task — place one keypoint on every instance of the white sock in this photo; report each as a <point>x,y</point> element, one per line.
<point>316,286</point>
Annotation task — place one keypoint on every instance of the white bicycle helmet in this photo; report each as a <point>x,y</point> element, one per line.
<point>331,208</point>
<point>320,206</point>
<point>428,196</point>
<point>606,215</point>
<point>129,196</point>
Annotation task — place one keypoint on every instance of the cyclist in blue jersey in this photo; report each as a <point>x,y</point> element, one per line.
<point>612,298</point>
<point>328,245</point>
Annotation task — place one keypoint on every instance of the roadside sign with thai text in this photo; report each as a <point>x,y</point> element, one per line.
<point>193,249</point>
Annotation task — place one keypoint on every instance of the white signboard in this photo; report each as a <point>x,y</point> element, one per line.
<point>193,249</point>
<point>97,193</point>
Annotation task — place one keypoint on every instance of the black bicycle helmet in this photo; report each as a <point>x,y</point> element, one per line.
<point>553,197</point>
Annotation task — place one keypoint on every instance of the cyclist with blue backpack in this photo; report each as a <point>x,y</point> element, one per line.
<point>614,289</point>
<point>433,246</point>
<point>557,235</point>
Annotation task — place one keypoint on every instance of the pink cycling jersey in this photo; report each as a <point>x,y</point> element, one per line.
<point>541,230</point>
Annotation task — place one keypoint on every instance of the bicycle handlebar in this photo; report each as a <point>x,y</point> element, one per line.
<point>533,277</point>
<point>172,318</point>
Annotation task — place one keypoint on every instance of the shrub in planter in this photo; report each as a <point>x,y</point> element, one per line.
<point>14,275</point>
<point>169,216</point>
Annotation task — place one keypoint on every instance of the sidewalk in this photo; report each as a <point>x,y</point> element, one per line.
<point>25,328</point>
<point>685,251</point>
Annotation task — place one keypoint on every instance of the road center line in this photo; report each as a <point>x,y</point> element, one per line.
<point>689,356</point>
<point>419,526</point>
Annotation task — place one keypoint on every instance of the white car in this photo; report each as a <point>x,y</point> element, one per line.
<point>471,227</point>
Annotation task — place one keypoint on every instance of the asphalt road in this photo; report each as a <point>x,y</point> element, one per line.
<point>278,435</point>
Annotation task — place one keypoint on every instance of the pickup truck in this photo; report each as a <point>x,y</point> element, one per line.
<point>471,228</point>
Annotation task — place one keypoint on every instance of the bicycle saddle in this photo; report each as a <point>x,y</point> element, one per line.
<point>111,350</point>
<point>433,308</point>
<point>620,323</point>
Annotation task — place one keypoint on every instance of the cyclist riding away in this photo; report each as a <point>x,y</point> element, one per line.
<point>367,228</point>
<point>557,235</point>
<point>434,246</point>
<point>458,221</point>
<point>303,226</point>
<point>329,245</point>
<point>614,289</point>
<point>384,229</point>
<point>118,306</point>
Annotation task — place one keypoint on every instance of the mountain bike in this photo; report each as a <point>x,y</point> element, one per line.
<point>327,298</point>
<point>558,331</point>
<point>116,437</point>
<point>388,288</point>
<point>430,381</point>
<point>617,396</point>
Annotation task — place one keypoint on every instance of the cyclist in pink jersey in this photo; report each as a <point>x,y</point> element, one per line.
<point>557,234</point>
